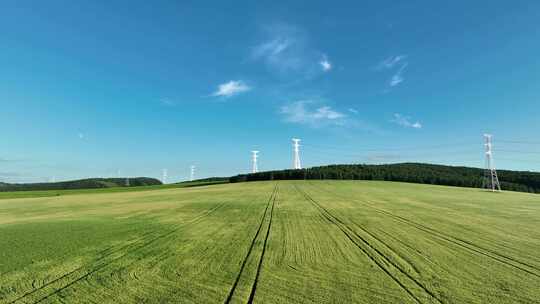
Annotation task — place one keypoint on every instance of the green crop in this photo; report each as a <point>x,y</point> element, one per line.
<point>273,242</point>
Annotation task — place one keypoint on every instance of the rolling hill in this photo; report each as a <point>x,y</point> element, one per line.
<point>522,181</point>
<point>89,183</point>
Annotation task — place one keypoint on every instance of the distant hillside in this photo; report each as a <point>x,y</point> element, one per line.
<point>90,183</point>
<point>523,181</point>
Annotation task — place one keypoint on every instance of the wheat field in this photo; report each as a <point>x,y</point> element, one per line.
<point>273,242</point>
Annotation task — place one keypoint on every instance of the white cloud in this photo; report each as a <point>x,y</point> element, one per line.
<point>271,48</point>
<point>354,111</point>
<point>167,102</point>
<point>405,121</point>
<point>326,112</point>
<point>286,51</point>
<point>283,48</point>
<point>397,78</point>
<point>325,64</point>
<point>231,88</point>
<point>390,62</point>
<point>304,112</point>
<point>417,125</point>
<point>397,64</point>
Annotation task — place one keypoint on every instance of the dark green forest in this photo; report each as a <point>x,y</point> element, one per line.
<point>523,181</point>
<point>89,183</point>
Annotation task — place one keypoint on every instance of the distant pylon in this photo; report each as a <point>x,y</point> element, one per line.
<point>491,181</point>
<point>192,175</point>
<point>254,157</point>
<point>296,154</point>
<point>164,176</point>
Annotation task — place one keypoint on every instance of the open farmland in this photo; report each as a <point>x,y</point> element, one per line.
<point>273,242</point>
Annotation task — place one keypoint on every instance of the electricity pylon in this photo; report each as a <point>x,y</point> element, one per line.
<point>296,154</point>
<point>164,176</point>
<point>192,175</point>
<point>491,181</point>
<point>254,157</point>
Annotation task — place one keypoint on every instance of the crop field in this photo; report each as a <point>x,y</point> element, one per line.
<point>273,242</point>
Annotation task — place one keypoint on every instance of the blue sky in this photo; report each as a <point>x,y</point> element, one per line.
<point>90,88</point>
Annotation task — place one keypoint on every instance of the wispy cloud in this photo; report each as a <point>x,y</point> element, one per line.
<point>283,48</point>
<point>307,112</point>
<point>286,50</point>
<point>270,50</point>
<point>397,64</point>
<point>354,111</point>
<point>231,88</point>
<point>405,121</point>
<point>167,102</point>
<point>390,62</point>
<point>325,64</point>
<point>397,78</point>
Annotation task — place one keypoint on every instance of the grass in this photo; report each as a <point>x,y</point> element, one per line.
<point>273,242</point>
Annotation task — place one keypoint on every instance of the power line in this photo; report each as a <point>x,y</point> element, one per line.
<point>393,154</point>
<point>519,142</point>
<point>439,146</point>
<point>515,151</point>
<point>519,160</point>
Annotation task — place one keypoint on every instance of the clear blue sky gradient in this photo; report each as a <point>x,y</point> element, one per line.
<point>88,88</point>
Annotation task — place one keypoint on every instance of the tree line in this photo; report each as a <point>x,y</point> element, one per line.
<point>89,183</point>
<point>523,181</point>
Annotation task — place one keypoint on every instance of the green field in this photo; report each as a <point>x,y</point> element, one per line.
<point>45,193</point>
<point>273,242</point>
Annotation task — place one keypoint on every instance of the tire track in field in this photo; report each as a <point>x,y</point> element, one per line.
<point>137,249</point>
<point>65,275</point>
<point>261,260</point>
<point>95,268</point>
<point>504,259</point>
<point>468,245</point>
<point>101,255</point>
<point>376,238</point>
<point>372,252</point>
<point>111,249</point>
<point>271,201</point>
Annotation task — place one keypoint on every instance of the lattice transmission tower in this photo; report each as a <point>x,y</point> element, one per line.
<point>296,154</point>
<point>192,174</point>
<point>491,181</point>
<point>164,175</point>
<point>254,157</point>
